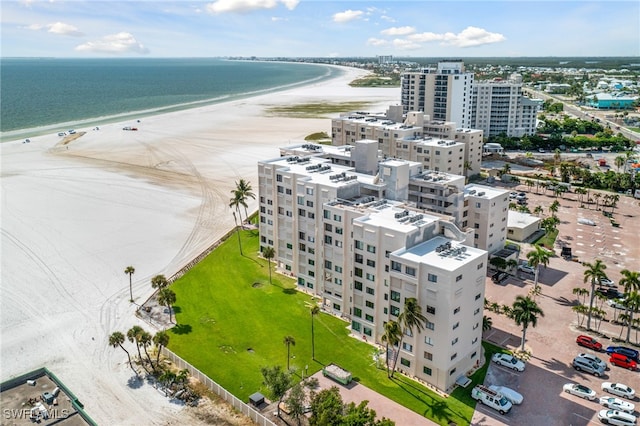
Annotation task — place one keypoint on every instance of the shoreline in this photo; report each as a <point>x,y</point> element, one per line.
<point>75,215</point>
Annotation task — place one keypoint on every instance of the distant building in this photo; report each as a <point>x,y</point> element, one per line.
<point>385,59</point>
<point>608,101</point>
<point>492,148</point>
<point>521,226</point>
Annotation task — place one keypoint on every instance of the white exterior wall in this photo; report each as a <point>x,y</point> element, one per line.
<point>487,213</point>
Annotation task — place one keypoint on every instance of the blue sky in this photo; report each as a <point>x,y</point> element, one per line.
<point>318,28</point>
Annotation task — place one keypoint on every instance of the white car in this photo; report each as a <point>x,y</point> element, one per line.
<point>617,404</point>
<point>525,267</point>
<point>580,390</point>
<point>594,359</point>
<point>508,361</point>
<point>606,282</point>
<point>619,389</point>
<point>615,417</point>
<point>513,194</point>
<point>617,303</point>
<point>508,393</point>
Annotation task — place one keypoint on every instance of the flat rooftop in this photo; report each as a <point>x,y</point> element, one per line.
<point>441,253</point>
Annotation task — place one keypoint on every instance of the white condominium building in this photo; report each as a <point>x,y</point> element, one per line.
<point>352,240</point>
<point>443,93</point>
<point>486,211</point>
<point>499,107</point>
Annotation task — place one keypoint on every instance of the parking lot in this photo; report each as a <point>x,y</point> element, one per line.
<point>552,342</point>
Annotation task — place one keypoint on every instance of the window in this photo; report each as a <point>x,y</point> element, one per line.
<point>478,296</point>
<point>458,278</point>
<point>452,372</point>
<point>369,304</point>
<point>278,178</point>
<point>454,356</point>
<point>371,249</point>
<point>370,291</point>
<point>327,214</point>
<point>289,246</point>
<point>371,277</point>
<point>357,312</point>
<point>357,285</point>
<point>477,311</point>
<point>312,262</point>
<point>396,266</point>
<point>311,215</point>
<point>453,342</point>
<point>338,230</point>
<point>476,326</point>
<point>405,362</point>
<point>309,191</point>
<point>456,325</point>
<point>473,355</point>
<point>395,296</point>
<point>358,272</point>
<point>359,245</point>
<point>456,310</point>
<point>338,243</point>
<point>481,265</point>
<point>337,281</point>
<point>432,278</point>
<point>410,271</point>
<point>426,370</point>
<point>302,212</point>
<point>337,218</point>
<point>311,250</point>
<point>407,347</point>
<point>328,264</point>
<point>309,203</point>
<point>338,269</point>
<point>428,355</point>
<point>300,200</point>
<point>328,227</point>
<point>328,239</point>
<point>371,263</point>
<point>288,191</point>
<point>359,258</point>
<point>431,310</point>
<point>336,306</point>
<point>368,317</point>
<point>302,247</point>
<point>355,325</point>
<point>430,325</point>
<point>395,311</point>
<point>428,341</point>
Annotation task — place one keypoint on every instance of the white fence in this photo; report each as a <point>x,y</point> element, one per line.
<point>239,405</point>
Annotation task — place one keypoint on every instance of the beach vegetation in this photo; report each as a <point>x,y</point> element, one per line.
<point>166,297</point>
<point>318,137</point>
<point>316,110</point>
<point>234,317</point>
<point>130,270</point>
<point>159,282</point>
<point>377,80</point>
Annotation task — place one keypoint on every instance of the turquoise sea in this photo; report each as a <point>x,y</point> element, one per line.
<point>43,95</point>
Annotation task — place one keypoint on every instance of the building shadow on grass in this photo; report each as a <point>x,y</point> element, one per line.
<point>181,329</point>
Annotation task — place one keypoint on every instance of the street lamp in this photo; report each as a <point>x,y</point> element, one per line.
<point>237,232</point>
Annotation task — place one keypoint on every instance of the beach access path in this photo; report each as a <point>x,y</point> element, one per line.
<point>75,215</point>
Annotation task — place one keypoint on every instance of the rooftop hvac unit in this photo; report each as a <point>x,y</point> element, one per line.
<point>471,192</point>
<point>464,249</point>
<point>480,194</point>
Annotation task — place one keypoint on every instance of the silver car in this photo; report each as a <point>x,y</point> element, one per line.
<point>582,364</point>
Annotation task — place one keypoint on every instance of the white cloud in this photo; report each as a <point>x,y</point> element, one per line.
<point>64,29</point>
<point>469,37</point>
<point>115,43</point>
<point>34,27</point>
<point>246,6</point>
<point>278,19</point>
<point>347,15</point>
<point>377,42</point>
<point>398,31</point>
<point>387,18</point>
<point>403,44</point>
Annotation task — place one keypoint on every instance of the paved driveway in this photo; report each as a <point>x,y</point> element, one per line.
<point>552,342</point>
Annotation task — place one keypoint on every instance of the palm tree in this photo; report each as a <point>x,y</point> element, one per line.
<point>159,282</point>
<point>632,303</point>
<point>117,339</point>
<point>236,201</point>
<point>619,161</point>
<point>130,271</point>
<point>538,210</point>
<point>487,323</point>
<point>593,273</point>
<point>315,310</point>
<point>133,335</point>
<point>244,189</point>
<point>580,310</point>
<point>537,257</point>
<point>505,169</point>
<point>525,313</point>
<point>410,318</point>
<point>554,207</point>
<point>289,340</point>
<point>630,281</point>
<point>391,337</point>
<point>145,341</point>
<point>269,253</point>
<point>597,196</point>
<point>235,220</point>
<point>581,292</point>
<point>166,297</point>
<point>160,339</point>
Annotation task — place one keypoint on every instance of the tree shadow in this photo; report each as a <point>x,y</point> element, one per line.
<point>289,291</point>
<point>181,329</point>
<point>135,382</point>
<point>176,310</point>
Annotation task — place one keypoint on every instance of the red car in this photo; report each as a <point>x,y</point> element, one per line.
<point>589,342</point>
<point>623,361</point>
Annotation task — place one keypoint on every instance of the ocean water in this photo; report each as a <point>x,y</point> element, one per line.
<point>43,95</point>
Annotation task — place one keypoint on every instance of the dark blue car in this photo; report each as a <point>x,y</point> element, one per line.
<point>628,352</point>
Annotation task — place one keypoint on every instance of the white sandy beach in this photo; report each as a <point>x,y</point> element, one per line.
<point>73,218</point>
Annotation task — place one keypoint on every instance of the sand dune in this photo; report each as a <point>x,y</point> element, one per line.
<point>75,215</point>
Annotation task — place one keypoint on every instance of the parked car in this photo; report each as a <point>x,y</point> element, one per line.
<point>582,364</point>
<point>507,360</point>
<point>499,276</point>
<point>606,282</point>
<point>589,342</point>
<point>508,393</point>
<point>631,353</point>
<point>615,417</point>
<point>525,267</point>
<point>617,303</point>
<point>580,390</point>
<point>513,194</point>
<point>611,293</point>
<point>593,359</point>
<point>617,404</point>
<point>491,398</point>
<point>619,389</point>
<point>623,361</point>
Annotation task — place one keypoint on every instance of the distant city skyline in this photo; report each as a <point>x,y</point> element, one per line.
<point>314,28</point>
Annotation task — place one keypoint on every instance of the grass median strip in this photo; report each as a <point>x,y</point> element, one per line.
<point>232,321</point>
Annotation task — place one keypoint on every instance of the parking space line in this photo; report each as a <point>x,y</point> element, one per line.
<point>585,418</point>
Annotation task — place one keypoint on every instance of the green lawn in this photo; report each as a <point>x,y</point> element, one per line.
<point>232,322</point>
